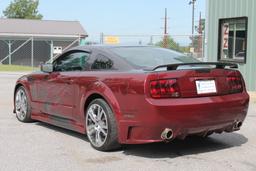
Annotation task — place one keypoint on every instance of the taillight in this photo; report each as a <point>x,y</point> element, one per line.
<point>164,88</point>
<point>235,84</point>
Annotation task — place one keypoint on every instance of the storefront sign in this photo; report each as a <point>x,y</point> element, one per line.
<point>225,31</point>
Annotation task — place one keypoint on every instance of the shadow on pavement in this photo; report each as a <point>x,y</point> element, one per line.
<point>176,148</point>
<point>191,145</point>
<point>62,130</point>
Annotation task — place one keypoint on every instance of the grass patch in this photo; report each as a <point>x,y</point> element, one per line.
<point>16,68</point>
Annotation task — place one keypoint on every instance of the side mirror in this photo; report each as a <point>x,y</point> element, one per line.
<point>46,68</point>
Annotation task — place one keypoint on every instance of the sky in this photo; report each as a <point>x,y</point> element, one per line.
<point>122,17</point>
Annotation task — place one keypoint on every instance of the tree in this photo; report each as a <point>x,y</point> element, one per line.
<point>197,28</point>
<point>171,44</point>
<point>198,39</point>
<point>24,9</point>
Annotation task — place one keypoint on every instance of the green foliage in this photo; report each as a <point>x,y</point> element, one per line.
<point>196,39</point>
<point>171,44</point>
<point>16,68</point>
<point>23,9</point>
<point>202,26</point>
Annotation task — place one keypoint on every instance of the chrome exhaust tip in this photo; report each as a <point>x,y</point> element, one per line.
<point>237,125</point>
<point>167,134</point>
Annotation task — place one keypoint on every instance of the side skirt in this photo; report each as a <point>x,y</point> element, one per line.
<point>60,122</point>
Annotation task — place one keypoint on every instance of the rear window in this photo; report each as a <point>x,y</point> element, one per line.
<point>151,56</point>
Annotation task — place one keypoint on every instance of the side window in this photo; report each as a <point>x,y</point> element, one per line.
<point>102,63</point>
<point>76,61</point>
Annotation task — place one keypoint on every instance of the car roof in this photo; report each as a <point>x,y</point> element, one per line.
<point>106,49</point>
<point>102,47</point>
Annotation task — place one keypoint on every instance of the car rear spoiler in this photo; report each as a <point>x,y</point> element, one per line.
<point>218,65</point>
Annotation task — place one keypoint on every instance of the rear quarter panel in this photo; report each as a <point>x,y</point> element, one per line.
<point>122,91</point>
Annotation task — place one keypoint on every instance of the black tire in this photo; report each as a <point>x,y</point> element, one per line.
<point>111,141</point>
<point>27,115</point>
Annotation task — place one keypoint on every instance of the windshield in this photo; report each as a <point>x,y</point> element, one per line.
<point>151,56</point>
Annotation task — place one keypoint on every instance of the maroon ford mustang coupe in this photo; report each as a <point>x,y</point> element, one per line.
<point>133,94</point>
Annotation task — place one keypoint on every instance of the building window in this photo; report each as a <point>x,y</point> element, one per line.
<point>232,39</point>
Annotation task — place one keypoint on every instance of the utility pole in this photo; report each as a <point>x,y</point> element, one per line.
<point>165,40</point>
<point>192,2</point>
<point>101,38</point>
<point>200,31</point>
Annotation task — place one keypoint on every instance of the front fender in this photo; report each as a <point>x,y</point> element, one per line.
<point>23,81</point>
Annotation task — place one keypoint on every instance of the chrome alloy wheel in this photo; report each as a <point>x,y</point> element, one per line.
<point>21,104</point>
<point>96,125</point>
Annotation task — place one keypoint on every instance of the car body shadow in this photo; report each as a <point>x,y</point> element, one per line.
<point>62,130</point>
<point>189,146</point>
<point>176,148</point>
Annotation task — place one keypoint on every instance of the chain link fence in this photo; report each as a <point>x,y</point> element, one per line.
<point>31,52</point>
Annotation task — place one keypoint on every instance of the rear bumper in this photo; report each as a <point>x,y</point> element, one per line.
<point>184,116</point>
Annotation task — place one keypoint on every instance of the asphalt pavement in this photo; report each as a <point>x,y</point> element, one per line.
<point>39,146</point>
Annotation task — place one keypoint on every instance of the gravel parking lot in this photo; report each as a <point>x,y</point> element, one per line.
<point>38,146</point>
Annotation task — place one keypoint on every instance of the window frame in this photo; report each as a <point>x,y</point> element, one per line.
<point>67,54</point>
<point>220,40</point>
